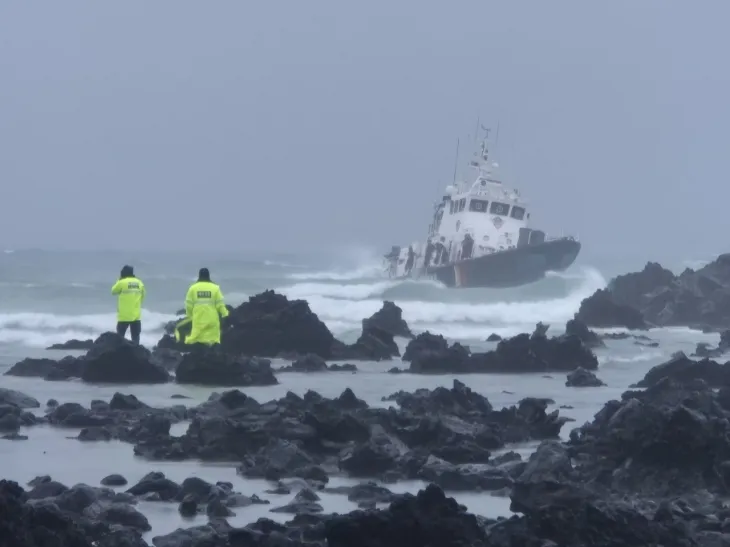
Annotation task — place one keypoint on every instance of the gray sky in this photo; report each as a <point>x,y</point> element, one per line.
<point>239,125</point>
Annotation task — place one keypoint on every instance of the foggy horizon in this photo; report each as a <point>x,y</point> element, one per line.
<point>242,128</point>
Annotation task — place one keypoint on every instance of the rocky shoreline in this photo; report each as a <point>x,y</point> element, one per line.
<point>651,468</point>
<point>656,297</point>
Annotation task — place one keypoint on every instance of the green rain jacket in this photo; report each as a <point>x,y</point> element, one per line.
<point>204,305</point>
<point>131,294</point>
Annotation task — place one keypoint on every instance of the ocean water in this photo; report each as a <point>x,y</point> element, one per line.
<point>50,297</point>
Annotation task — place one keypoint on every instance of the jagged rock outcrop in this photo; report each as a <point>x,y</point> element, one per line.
<point>655,296</point>
<point>111,359</point>
<point>203,365</point>
<point>271,325</point>
<point>431,354</point>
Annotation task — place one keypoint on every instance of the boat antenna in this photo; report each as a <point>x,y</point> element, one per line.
<point>476,133</point>
<point>456,161</point>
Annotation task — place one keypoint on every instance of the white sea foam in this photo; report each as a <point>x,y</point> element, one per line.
<point>44,329</point>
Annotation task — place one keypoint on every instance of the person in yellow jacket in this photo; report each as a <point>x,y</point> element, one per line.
<point>130,294</point>
<point>204,306</point>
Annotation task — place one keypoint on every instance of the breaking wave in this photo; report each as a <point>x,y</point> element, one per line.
<point>341,297</point>
<point>470,314</point>
<point>43,329</point>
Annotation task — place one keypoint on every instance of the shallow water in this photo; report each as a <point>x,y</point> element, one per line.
<point>50,451</point>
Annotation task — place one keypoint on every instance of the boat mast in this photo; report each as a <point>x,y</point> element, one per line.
<point>476,133</point>
<point>456,161</point>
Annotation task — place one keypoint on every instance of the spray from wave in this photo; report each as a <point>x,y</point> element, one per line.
<point>470,314</point>
<point>351,263</point>
<point>43,329</point>
<point>353,288</point>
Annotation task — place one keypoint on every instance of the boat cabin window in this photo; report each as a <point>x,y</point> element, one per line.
<point>451,207</point>
<point>518,212</point>
<point>498,208</point>
<point>478,205</point>
<point>462,204</point>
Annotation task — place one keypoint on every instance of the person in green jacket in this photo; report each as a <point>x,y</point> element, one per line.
<point>204,306</point>
<point>130,292</point>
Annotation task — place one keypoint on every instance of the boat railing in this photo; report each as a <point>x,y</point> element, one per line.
<point>558,238</point>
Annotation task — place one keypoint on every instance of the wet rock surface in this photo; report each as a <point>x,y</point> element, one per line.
<point>73,344</point>
<point>705,350</point>
<point>124,418</point>
<point>314,363</point>
<point>601,310</point>
<point>50,513</point>
<point>444,435</point>
<point>431,354</point>
<point>579,329</point>
<point>656,296</point>
<point>648,470</point>
<point>652,468</point>
<point>203,365</point>
<point>15,412</point>
<point>583,378</point>
<point>271,325</point>
<point>111,359</point>
<point>683,370</point>
<point>389,318</point>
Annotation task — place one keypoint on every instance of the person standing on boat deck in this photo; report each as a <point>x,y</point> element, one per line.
<point>410,260</point>
<point>467,245</point>
<point>428,254</point>
<point>130,294</point>
<point>204,307</point>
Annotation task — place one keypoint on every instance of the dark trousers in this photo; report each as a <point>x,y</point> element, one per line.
<point>135,328</point>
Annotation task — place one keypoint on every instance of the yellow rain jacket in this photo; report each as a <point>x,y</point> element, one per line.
<point>178,328</point>
<point>205,306</point>
<point>131,296</point>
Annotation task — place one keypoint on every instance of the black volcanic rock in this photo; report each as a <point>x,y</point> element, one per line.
<point>704,349</point>
<point>583,378</point>
<point>695,298</point>
<point>73,345</point>
<point>389,318</point>
<point>429,518</point>
<point>683,370</point>
<point>444,436</point>
<point>124,418</point>
<point>374,344</point>
<point>577,328</point>
<point>270,324</point>
<point>650,469</point>
<point>81,516</point>
<point>212,366</point>
<point>600,310</point>
<point>24,525</point>
<point>431,354</point>
<point>111,359</point>
<point>49,369</point>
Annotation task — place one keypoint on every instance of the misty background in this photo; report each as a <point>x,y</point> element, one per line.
<point>297,126</point>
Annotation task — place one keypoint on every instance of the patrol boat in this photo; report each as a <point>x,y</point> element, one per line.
<point>480,236</point>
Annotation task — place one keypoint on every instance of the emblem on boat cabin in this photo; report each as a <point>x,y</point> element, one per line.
<point>497,222</point>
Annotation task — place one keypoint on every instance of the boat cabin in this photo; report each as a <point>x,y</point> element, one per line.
<point>471,220</point>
